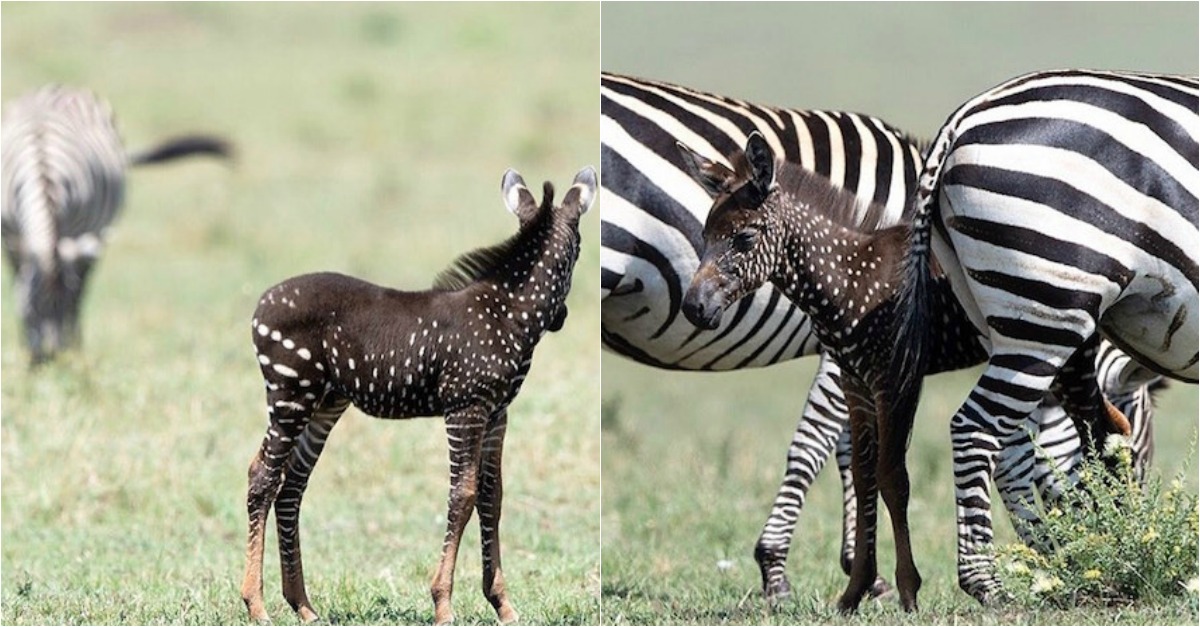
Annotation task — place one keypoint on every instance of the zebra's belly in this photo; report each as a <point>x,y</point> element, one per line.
<point>1155,321</point>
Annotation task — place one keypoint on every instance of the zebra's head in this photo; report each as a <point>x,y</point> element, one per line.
<point>576,202</point>
<point>49,294</point>
<point>741,240</point>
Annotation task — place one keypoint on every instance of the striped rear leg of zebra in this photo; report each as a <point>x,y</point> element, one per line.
<point>63,184</point>
<point>461,350</point>
<point>1061,204</point>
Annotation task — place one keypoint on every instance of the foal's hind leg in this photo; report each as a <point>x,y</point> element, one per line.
<point>287,419</point>
<point>464,430</point>
<point>491,493</point>
<point>287,504</point>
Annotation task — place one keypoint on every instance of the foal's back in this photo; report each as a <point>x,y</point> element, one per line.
<point>393,353</point>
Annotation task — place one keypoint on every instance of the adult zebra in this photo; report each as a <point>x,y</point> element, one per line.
<point>1063,206</point>
<point>651,226</point>
<point>63,183</point>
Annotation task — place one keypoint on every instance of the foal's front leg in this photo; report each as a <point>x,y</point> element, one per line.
<point>491,493</point>
<point>464,431</point>
<point>864,569</point>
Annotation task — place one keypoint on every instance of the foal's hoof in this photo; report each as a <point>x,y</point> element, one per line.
<point>307,615</point>
<point>507,616</point>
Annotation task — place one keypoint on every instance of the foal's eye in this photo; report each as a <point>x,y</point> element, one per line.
<point>743,241</point>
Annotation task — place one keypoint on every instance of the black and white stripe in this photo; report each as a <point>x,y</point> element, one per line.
<point>1063,206</point>
<point>63,184</point>
<point>652,221</point>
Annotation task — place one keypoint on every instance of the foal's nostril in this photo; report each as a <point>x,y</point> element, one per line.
<point>700,313</point>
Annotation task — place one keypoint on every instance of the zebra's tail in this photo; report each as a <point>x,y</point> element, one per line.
<point>187,145</point>
<point>913,320</point>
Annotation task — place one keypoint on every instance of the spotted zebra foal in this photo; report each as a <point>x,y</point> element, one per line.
<point>461,349</point>
<point>823,249</point>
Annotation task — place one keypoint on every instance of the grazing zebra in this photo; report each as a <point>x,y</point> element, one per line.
<point>461,350</point>
<point>1062,205</point>
<point>651,241</point>
<point>63,183</point>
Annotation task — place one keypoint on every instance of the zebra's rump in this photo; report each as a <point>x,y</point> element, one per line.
<point>1078,191</point>
<point>63,174</point>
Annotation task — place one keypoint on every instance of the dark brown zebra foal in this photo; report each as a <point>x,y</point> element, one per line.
<point>460,350</point>
<point>774,221</point>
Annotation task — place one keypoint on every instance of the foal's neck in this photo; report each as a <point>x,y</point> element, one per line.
<point>839,276</point>
<point>531,283</point>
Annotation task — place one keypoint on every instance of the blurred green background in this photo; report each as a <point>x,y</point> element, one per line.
<point>692,461</point>
<point>371,140</point>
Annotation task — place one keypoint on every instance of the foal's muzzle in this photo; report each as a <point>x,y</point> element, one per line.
<point>703,305</point>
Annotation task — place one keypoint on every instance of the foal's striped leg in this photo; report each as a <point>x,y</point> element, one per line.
<point>864,568</point>
<point>287,418</point>
<point>287,504</point>
<point>491,494</point>
<point>464,430</point>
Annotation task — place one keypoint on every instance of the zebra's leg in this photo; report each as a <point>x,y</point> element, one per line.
<point>1077,388</point>
<point>299,467</point>
<point>35,298</point>
<point>288,413</point>
<point>821,425</point>
<point>1011,387</point>
<point>864,569</point>
<point>75,280</point>
<point>1027,464</point>
<point>464,430</point>
<point>491,494</point>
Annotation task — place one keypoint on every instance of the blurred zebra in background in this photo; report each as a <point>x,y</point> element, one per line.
<point>652,220</point>
<point>63,184</point>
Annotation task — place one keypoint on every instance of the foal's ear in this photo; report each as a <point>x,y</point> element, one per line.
<point>583,190</point>
<point>761,160</point>
<point>716,179</point>
<point>517,196</point>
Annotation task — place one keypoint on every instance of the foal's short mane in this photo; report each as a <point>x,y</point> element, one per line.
<point>479,263</point>
<point>823,197</point>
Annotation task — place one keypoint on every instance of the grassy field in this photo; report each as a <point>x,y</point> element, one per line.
<point>371,140</point>
<point>692,461</point>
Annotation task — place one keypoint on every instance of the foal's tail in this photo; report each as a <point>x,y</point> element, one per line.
<point>914,315</point>
<point>184,146</point>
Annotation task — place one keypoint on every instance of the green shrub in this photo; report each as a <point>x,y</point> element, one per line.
<point>1109,540</point>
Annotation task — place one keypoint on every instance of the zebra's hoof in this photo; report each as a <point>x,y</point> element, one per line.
<point>777,592</point>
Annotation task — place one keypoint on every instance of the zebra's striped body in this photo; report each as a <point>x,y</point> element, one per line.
<point>1062,205</point>
<point>461,349</point>
<point>63,184</point>
<point>651,236</point>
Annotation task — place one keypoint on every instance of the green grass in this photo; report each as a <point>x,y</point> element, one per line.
<point>715,445</point>
<point>371,140</point>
